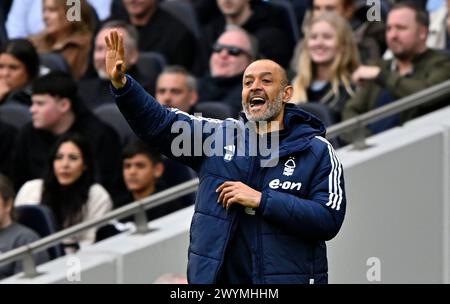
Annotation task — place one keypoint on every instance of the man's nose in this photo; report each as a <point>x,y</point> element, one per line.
<point>32,109</point>
<point>391,33</point>
<point>132,170</point>
<point>256,85</point>
<point>5,73</point>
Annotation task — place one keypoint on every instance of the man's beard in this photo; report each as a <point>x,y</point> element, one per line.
<point>404,56</point>
<point>273,110</point>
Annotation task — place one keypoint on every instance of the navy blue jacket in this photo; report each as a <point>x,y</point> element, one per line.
<point>303,196</point>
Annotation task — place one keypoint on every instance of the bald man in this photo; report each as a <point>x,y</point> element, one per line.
<point>259,217</point>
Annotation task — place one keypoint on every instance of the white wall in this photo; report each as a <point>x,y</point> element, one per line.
<point>398,207</point>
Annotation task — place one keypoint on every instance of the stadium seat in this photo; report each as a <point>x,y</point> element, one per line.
<point>15,114</point>
<point>322,112</point>
<point>42,220</point>
<point>54,62</point>
<point>110,114</point>
<point>150,63</point>
<point>183,11</point>
<point>291,19</point>
<point>214,109</point>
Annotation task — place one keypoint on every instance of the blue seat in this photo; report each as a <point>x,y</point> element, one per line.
<point>185,12</point>
<point>319,110</point>
<point>150,63</point>
<point>322,112</point>
<point>291,19</point>
<point>214,109</point>
<point>54,62</point>
<point>110,114</point>
<point>42,220</point>
<point>15,114</point>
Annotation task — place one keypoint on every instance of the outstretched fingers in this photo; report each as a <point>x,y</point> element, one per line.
<point>108,42</point>
<point>120,47</point>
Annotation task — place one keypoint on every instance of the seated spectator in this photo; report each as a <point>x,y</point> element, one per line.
<point>161,32</point>
<point>71,39</point>
<point>95,90</point>
<point>262,20</point>
<point>369,34</point>
<point>57,110</point>
<point>145,172</point>
<point>25,17</point>
<point>13,234</point>
<point>328,59</point>
<point>19,66</point>
<point>176,88</point>
<point>7,135</point>
<point>413,68</point>
<point>68,188</point>
<point>232,53</point>
<point>143,169</point>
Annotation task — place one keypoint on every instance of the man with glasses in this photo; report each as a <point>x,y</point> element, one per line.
<point>264,20</point>
<point>231,54</point>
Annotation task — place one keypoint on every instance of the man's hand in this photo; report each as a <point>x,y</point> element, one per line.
<point>115,59</point>
<point>237,192</point>
<point>364,73</point>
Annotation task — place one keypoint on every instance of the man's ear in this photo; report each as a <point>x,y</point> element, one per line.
<point>9,204</point>
<point>423,32</point>
<point>65,105</point>
<point>194,98</point>
<point>287,93</point>
<point>158,170</point>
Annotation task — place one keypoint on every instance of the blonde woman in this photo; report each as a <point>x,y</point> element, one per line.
<point>72,39</point>
<point>327,61</point>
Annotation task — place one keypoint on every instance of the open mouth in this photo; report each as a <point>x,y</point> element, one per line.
<point>257,101</point>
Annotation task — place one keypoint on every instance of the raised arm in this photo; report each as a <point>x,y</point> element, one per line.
<point>115,59</point>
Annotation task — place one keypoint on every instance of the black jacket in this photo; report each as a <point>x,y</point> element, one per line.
<point>7,136</point>
<point>168,36</point>
<point>33,147</point>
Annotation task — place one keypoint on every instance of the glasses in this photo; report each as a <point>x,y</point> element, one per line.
<point>231,50</point>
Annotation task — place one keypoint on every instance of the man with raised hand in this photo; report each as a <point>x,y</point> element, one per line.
<point>258,218</point>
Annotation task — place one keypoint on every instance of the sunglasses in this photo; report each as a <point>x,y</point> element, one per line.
<point>231,50</point>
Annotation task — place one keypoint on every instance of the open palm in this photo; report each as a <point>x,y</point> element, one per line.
<point>115,59</point>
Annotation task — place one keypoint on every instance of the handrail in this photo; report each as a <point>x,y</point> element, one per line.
<point>136,207</point>
<point>405,103</point>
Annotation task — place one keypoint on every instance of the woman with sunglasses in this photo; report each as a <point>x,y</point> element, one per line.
<point>68,188</point>
<point>328,59</point>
